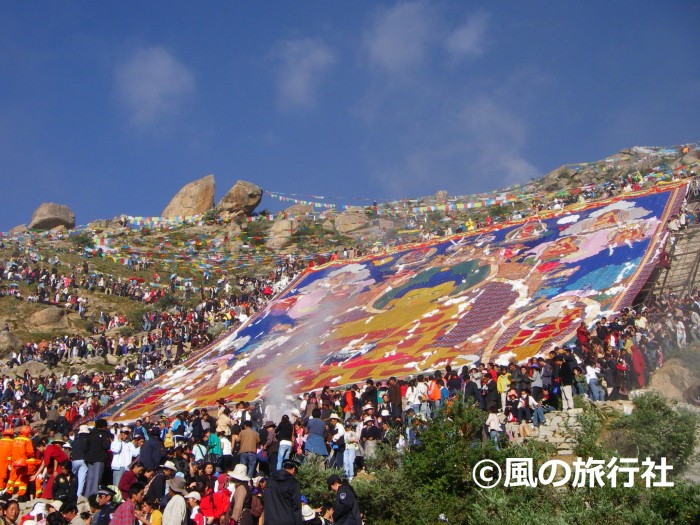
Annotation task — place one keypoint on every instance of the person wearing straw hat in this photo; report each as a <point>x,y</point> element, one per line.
<point>337,441</point>
<point>175,512</point>
<point>242,496</point>
<point>157,485</point>
<point>53,456</point>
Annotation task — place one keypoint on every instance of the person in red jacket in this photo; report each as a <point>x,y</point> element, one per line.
<point>215,504</point>
<point>53,456</point>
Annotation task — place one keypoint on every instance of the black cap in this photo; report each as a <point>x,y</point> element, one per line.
<point>332,479</point>
<point>106,491</point>
<point>291,463</point>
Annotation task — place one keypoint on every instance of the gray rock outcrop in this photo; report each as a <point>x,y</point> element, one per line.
<point>8,343</point>
<point>50,215</point>
<point>193,199</point>
<point>280,233</point>
<point>241,199</point>
<point>350,220</point>
<point>50,317</point>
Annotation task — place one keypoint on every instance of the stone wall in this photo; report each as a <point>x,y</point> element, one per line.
<point>559,430</point>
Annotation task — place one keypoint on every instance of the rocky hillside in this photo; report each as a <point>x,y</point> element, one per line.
<point>201,242</point>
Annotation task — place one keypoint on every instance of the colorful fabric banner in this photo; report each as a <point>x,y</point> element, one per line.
<point>503,293</point>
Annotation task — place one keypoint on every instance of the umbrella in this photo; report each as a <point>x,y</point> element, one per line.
<point>14,285</point>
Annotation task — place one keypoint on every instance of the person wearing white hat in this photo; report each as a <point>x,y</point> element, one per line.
<point>242,496</point>
<point>156,487</point>
<point>337,441</point>
<point>308,514</point>
<point>123,454</point>
<point>39,511</point>
<point>369,437</point>
<point>196,516</point>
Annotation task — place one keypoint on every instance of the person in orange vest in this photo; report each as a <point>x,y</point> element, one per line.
<point>33,465</point>
<point>5,455</point>
<point>22,450</point>
<point>434,393</point>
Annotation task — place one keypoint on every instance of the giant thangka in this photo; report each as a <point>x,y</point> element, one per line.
<point>507,292</point>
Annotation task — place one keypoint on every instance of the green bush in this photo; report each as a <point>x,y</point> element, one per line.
<point>313,476</point>
<point>655,430</point>
<point>417,486</point>
<point>126,331</point>
<point>587,435</point>
<point>135,316</point>
<point>451,445</point>
<point>83,240</point>
<point>216,329</point>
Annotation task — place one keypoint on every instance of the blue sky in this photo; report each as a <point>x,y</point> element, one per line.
<point>110,107</point>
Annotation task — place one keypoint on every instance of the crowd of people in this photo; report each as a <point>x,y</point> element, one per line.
<point>238,462</point>
<point>344,426</point>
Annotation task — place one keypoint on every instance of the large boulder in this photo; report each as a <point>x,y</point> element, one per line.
<point>673,380</point>
<point>241,199</point>
<point>100,224</point>
<point>35,368</point>
<point>350,220</point>
<point>298,211</point>
<point>280,233</point>
<point>50,317</point>
<point>50,215</point>
<point>8,343</point>
<point>193,199</point>
<point>16,230</point>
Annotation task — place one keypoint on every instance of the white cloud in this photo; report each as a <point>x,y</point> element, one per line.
<point>492,123</point>
<point>152,84</point>
<point>464,147</point>
<point>301,64</point>
<point>468,39</point>
<point>499,137</point>
<point>399,38</point>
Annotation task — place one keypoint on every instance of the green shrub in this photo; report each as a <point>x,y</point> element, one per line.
<point>655,430</point>
<point>313,476</point>
<point>216,329</point>
<point>417,486</point>
<point>126,331</point>
<point>587,435</point>
<point>83,240</point>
